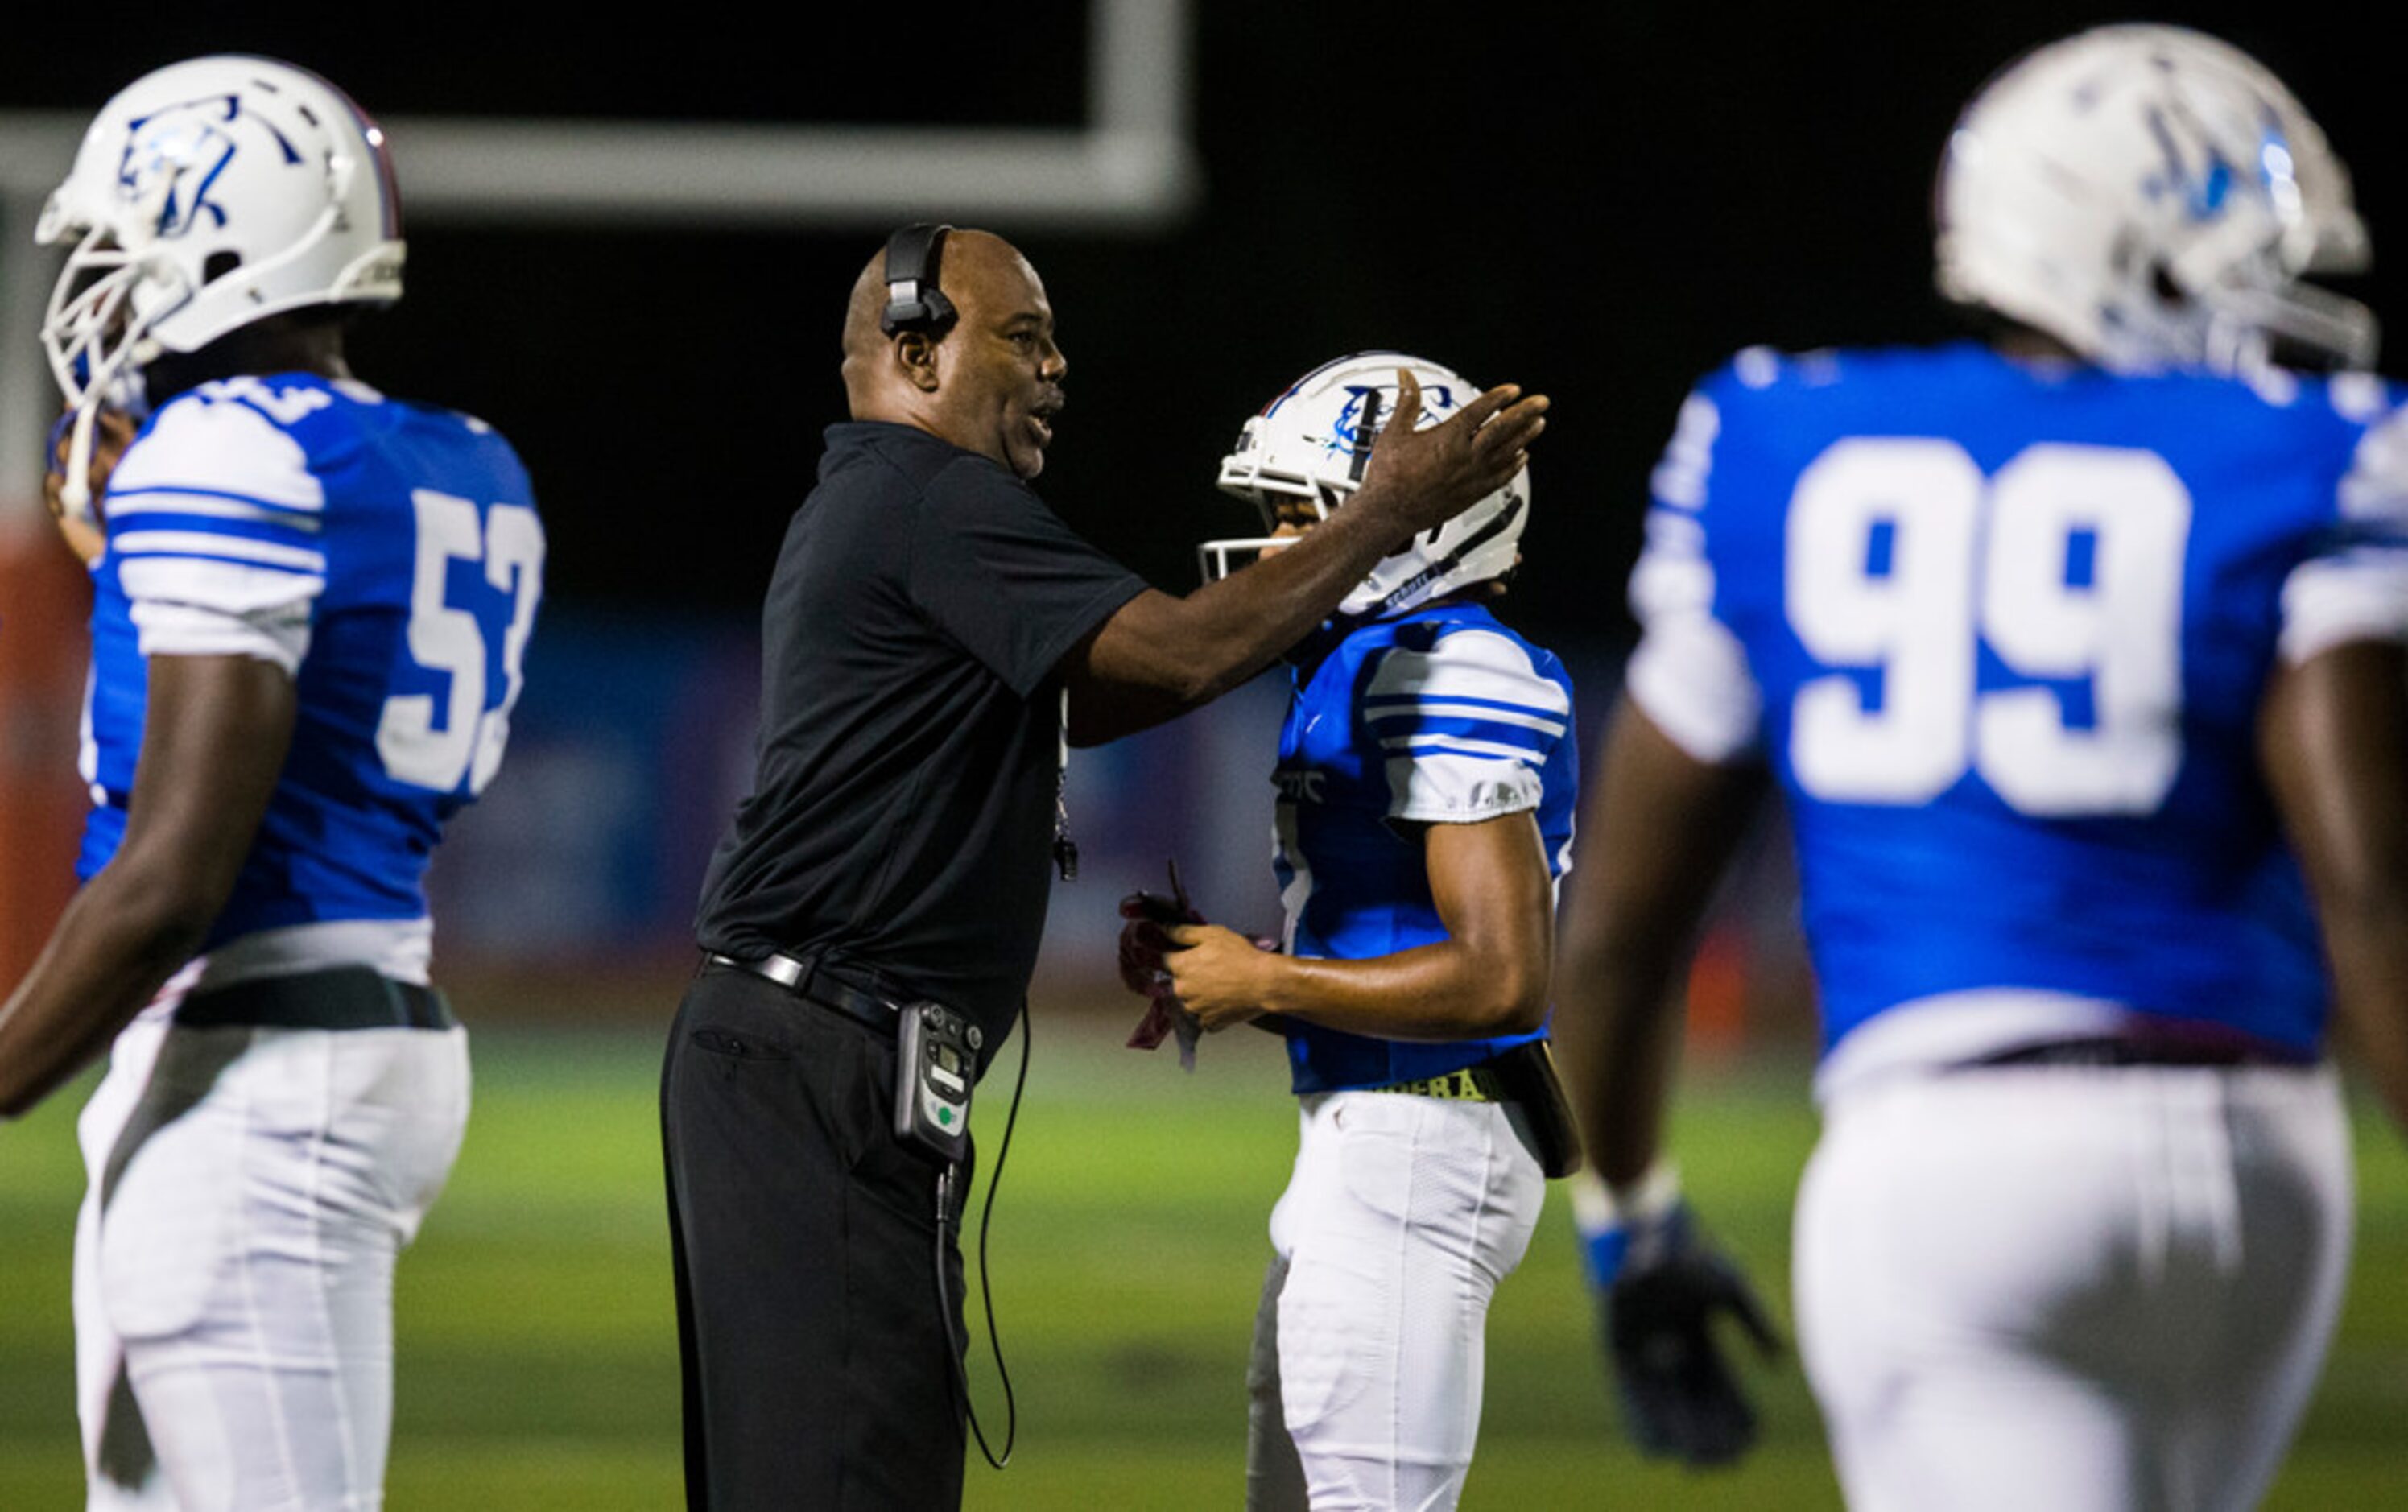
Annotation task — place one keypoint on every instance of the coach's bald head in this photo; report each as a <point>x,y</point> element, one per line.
<point>991,383</point>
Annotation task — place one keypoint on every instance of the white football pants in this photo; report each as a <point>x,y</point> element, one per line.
<point>249,1191</point>
<point>2084,1290</point>
<point>1402,1215</point>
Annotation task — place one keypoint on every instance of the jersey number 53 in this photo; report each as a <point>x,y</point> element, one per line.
<point>1904,561</point>
<point>468,745</point>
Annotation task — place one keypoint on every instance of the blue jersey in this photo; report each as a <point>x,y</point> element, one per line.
<point>2001,632</point>
<point>388,555</point>
<point>1440,715</point>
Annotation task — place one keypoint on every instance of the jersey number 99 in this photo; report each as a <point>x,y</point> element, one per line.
<point>1904,560</point>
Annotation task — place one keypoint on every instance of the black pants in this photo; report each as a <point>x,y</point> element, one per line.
<point>818,1373</point>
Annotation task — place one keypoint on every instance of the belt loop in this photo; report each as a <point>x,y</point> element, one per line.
<point>811,972</point>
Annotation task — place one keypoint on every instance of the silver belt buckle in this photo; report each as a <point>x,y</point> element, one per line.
<point>786,970</point>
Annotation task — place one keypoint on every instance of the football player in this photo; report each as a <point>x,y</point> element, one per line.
<point>312,603</point>
<point>2076,654</point>
<point>1425,805</point>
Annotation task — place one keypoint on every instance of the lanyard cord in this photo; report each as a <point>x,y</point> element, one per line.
<point>1065,850</point>
<point>958,1349</point>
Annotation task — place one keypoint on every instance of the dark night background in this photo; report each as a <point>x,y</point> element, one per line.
<point>1598,201</point>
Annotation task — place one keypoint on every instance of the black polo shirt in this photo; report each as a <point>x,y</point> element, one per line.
<point>901,820</point>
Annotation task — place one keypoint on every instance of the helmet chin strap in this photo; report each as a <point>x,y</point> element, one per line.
<point>1489,531</point>
<point>75,487</point>
<point>120,387</point>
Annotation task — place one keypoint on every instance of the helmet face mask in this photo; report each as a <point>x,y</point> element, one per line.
<point>1312,443</point>
<point>90,311</point>
<point>1216,559</point>
<point>2152,198</point>
<point>206,195</point>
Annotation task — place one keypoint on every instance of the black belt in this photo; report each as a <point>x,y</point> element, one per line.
<point>340,997</point>
<point>1471,1084</point>
<point>2119,1050</point>
<point>804,981</point>
<point>1523,1082</point>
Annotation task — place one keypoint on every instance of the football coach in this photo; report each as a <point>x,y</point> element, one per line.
<point>933,636</point>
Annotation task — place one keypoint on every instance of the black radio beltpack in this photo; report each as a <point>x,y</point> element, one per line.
<point>936,1061</point>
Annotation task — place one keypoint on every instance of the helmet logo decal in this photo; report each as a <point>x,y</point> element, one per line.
<point>1358,420</point>
<point>173,158</point>
<point>2202,193</point>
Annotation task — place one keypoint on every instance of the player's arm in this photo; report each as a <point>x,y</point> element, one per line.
<point>1658,827</point>
<point>215,732</point>
<point>1159,655</point>
<point>2333,737</point>
<point>1490,883</point>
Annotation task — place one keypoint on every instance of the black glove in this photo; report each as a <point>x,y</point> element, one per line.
<point>1658,1284</point>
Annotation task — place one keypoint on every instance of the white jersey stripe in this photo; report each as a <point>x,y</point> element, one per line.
<point>193,490</point>
<point>2332,601</point>
<point>1387,703</point>
<point>276,633</point>
<point>222,448</point>
<point>200,543</point>
<point>1455,745</point>
<point>216,507</point>
<point>1475,664</point>
<point>1502,738</point>
<point>1455,708</point>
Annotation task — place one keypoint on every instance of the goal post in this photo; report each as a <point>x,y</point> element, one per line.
<point>1130,168</point>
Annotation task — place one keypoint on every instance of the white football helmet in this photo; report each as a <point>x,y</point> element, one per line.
<point>1312,443</point>
<point>206,195</point>
<point>2151,197</point>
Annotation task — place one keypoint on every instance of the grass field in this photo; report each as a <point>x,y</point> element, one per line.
<point>537,1357</point>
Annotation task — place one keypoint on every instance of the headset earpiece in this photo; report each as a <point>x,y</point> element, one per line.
<point>914,301</point>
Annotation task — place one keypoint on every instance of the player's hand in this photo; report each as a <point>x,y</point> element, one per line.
<point>1218,974</point>
<point>1427,477</point>
<point>113,430</point>
<point>1145,940</point>
<point>1659,1284</point>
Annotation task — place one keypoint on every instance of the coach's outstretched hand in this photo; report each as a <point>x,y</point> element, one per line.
<point>1658,1284</point>
<point>1424,476</point>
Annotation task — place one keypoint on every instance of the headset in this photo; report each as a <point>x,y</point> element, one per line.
<point>914,301</point>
